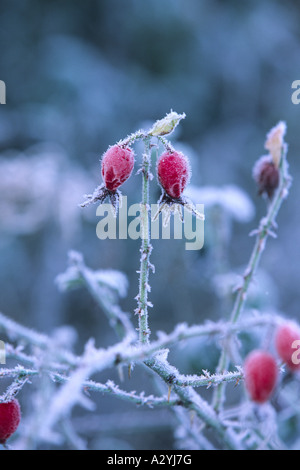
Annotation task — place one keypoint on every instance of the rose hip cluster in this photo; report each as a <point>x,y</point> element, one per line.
<point>173,173</point>
<point>261,369</point>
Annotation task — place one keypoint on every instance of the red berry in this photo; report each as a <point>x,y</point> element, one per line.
<point>284,338</point>
<point>10,416</point>
<point>260,370</point>
<point>117,165</point>
<point>173,171</point>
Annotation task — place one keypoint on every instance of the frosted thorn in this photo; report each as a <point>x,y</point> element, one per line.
<point>152,267</point>
<point>254,233</point>
<point>169,393</point>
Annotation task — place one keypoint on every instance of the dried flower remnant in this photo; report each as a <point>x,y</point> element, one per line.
<point>266,169</point>
<point>266,175</point>
<point>275,142</point>
<point>166,125</point>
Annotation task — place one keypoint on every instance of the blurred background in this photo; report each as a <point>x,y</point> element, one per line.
<point>82,75</point>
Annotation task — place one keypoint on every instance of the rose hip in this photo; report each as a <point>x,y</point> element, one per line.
<point>116,166</point>
<point>173,171</point>
<point>261,374</point>
<point>10,416</point>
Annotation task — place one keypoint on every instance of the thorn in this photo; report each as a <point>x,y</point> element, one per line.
<point>237,382</point>
<point>169,393</point>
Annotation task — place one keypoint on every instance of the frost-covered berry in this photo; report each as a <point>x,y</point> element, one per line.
<point>116,166</point>
<point>261,372</point>
<point>266,175</point>
<point>284,338</point>
<point>10,416</point>
<point>173,172</point>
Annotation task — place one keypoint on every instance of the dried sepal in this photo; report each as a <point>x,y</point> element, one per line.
<point>100,194</point>
<point>168,205</point>
<point>275,142</point>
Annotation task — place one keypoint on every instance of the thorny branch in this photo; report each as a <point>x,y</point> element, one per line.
<point>41,358</point>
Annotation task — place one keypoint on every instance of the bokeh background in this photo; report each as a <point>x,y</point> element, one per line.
<point>82,75</point>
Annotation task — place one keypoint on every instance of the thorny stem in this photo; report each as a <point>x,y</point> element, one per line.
<point>193,401</point>
<point>264,230</point>
<point>146,247</point>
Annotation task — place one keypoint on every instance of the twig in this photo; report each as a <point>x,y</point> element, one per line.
<point>265,226</point>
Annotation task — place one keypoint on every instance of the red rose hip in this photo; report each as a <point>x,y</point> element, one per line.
<point>116,166</point>
<point>10,416</point>
<point>284,339</point>
<point>261,372</point>
<point>173,172</point>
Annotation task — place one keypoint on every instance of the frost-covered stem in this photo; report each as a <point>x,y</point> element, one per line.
<point>14,330</point>
<point>266,225</point>
<point>130,139</point>
<point>265,229</point>
<point>113,389</point>
<point>193,401</point>
<point>168,146</point>
<point>146,247</point>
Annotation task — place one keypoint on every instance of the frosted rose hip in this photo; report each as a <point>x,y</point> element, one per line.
<point>10,416</point>
<point>261,372</point>
<point>284,339</point>
<point>173,173</point>
<point>116,166</point>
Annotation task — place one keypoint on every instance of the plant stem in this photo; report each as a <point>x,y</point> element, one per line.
<point>146,247</point>
<point>264,230</point>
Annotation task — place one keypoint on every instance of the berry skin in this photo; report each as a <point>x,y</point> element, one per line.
<point>173,172</point>
<point>10,416</point>
<point>284,338</point>
<point>261,374</point>
<point>116,166</point>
